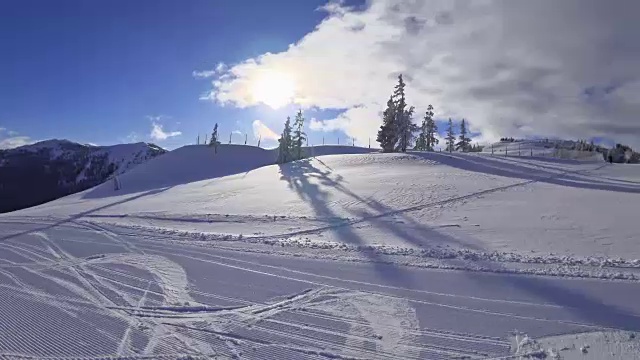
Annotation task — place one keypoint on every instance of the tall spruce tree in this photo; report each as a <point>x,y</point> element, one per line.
<point>404,126</point>
<point>299,136</point>
<point>387,135</point>
<point>464,142</point>
<point>214,142</point>
<point>451,137</point>
<point>284,149</point>
<point>407,134</point>
<point>432,129</point>
<point>421,141</point>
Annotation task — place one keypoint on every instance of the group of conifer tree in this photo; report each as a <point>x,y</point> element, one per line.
<point>397,132</point>
<point>292,139</point>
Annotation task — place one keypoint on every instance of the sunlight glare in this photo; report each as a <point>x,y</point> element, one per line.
<point>274,89</point>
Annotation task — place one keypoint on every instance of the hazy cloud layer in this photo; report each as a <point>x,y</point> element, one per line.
<point>158,133</point>
<point>15,141</point>
<point>10,140</point>
<point>513,68</point>
<point>260,130</point>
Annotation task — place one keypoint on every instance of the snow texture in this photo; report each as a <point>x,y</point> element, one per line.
<point>350,254</point>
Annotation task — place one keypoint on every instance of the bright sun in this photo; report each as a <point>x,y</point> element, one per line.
<point>273,88</point>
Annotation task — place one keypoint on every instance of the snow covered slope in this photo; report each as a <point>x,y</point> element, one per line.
<point>559,149</point>
<point>521,206</point>
<point>44,171</point>
<point>196,162</point>
<point>343,256</point>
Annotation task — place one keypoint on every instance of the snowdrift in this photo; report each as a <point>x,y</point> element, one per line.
<point>196,162</point>
<point>185,165</point>
<point>419,199</point>
<point>552,149</point>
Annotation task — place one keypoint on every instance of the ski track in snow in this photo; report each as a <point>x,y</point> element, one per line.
<point>330,317</point>
<point>136,286</point>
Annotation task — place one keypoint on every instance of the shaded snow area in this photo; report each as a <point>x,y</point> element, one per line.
<point>546,149</point>
<point>347,255</point>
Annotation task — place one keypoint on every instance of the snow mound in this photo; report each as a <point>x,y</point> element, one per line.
<point>529,210</point>
<point>185,165</point>
<point>336,150</point>
<point>196,163</point>
<point>583,346</point>
<point>556,149</point>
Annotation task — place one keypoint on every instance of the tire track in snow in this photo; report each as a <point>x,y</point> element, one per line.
<point>339,279</point>
<point>433,303</point>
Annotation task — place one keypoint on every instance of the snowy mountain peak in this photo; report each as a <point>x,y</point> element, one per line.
<point>53,168</point>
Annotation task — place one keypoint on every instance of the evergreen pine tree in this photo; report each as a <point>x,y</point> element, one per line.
<point>421,141</point>
<point>451,137</point>
<point>214,139</point>
<point>432,129</point>
<point>408,128</point>
<point>299,136</point>
<point>284,149</point>
<point>387,135</point>
<point>464,142</point>
<point>404,126</point>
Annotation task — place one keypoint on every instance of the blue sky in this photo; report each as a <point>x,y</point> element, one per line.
<point>99,71</point>
<point>106,72</point>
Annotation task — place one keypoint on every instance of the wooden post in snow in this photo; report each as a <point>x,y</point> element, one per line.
<point>230,137</point>
<point>369,143</point>
<point>259,138</point>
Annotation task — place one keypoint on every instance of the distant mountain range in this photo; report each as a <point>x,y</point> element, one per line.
<point>44,171</point>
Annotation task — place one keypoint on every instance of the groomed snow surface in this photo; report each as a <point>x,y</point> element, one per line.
<point>350,254</point>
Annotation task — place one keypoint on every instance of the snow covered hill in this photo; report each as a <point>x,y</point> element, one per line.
<point>40,172</point>
<point>319,199</point>
<point>349,254</point>
<point>560,149</point>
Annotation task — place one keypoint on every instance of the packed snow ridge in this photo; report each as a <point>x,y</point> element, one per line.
<point>347,254</point>
<point>473,207</point>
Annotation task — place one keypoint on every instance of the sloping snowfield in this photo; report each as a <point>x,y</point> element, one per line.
<point>347,255</point>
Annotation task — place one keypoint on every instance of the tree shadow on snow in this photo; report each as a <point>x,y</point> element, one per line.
<point>312,185</point>
<point>310,182</point>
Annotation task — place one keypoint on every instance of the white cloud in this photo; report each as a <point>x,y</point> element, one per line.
<point>203,74</point>
<point>12,140</point>
<point>260,130</point>
<point>158,133</point>
<point>16,141</point>
<point>219,69</point>
<point>512,68</point>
